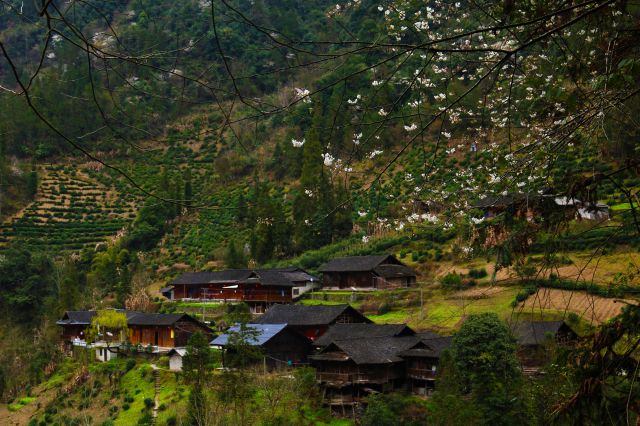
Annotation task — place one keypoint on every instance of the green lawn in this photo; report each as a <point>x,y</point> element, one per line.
<point>21,402</point>
<point>621,206</point>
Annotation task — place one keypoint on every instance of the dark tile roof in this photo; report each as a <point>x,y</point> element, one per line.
<point>133,318</point>
<point>141,318</point>
<point>289,277</point>
<point>374,350</point>
<point>263,333</point>
<point>534,332</point>
<point>438,344</point>
<point>394,271</point>
<point>359,331</point>
<point>230,275</point>
<point>357,263</point>
<point>304,315</point>
<point>85,317</point>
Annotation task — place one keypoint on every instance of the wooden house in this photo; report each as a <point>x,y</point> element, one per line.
<point>158,331</point>
<point>259,288</point>
<point>351,369</point>
<point>361,331</point>
<point>164,330</point>
<point>536,341</point>
<point>312,321</point>
<point>421,363</point>
<point>280,345</point>
<point>367,272</point>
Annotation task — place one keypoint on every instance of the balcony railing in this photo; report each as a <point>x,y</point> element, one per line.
<point>354,377</point>
<point>421,373</point>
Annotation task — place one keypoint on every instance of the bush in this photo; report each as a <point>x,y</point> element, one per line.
<point>451,281</point>
<point>384,308</point>
<point>148,403</point>
<point>478,273</point>
<point>172,421</point>
<point>130,364</point>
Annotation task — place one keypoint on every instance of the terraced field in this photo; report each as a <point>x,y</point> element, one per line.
<point>594,309</point>
<point>71,211</point>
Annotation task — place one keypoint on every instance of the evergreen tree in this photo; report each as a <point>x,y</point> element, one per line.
<point>234,258</point>
<point>484,357</point>
<point>188,189</point>
<point>32,182</point>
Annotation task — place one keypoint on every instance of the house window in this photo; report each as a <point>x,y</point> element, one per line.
<point>172,333</point>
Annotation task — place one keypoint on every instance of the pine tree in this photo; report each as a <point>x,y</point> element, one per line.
<point>234,258</point>
<point>32,182</point>
<point>188,189</point>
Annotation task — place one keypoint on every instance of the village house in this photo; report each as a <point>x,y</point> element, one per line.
<point>393,358</point>
<point>532,205</point>
<point>367,273</point>
<point>159,332</point>
<point>259,288</point>
<point>361,331</point>
<point>536,340</point>
<point>311,321</point>
<point>279,345</point>
<point>422,361</point>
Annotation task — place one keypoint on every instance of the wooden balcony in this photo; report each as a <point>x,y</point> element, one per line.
<point>345,378</point>
<point>421,373</point>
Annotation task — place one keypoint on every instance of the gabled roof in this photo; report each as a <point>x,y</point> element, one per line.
<point>358,263</point>
<point>304,315</point>
<point>438,344</point>
<point>374,350</point>
<point>534,332</point>
<point>142,318</point>
<point>229,275</point>
<point>177,351</point>
<point>85,317</point>
<point>261,334</point>
<point>394,271</point>
<point>289,277</point>
<point>359,331</point>
<point>133,318</point>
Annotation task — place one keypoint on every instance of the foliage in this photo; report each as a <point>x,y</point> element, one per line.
<point>483,356</point>
<point>393,409</point>
<point>25,285</point>
<point>108,325</point>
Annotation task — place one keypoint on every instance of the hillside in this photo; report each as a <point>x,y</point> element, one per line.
<point>492,147</point>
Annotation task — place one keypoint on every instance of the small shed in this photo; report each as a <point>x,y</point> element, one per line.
<point>175,358</point>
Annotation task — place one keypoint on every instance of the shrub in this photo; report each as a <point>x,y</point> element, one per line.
<point>573,318</point>
<point>148,402</point>
<point>172,421</point>
<point>384,308</point>
<point>451,281</point>
<point>478,273</point>
<point>125,406</point>
<point>130,364</point>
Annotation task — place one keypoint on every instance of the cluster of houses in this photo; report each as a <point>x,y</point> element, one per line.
<point>261,288</point>
<point>353,357</point>
<point>532,205</point>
